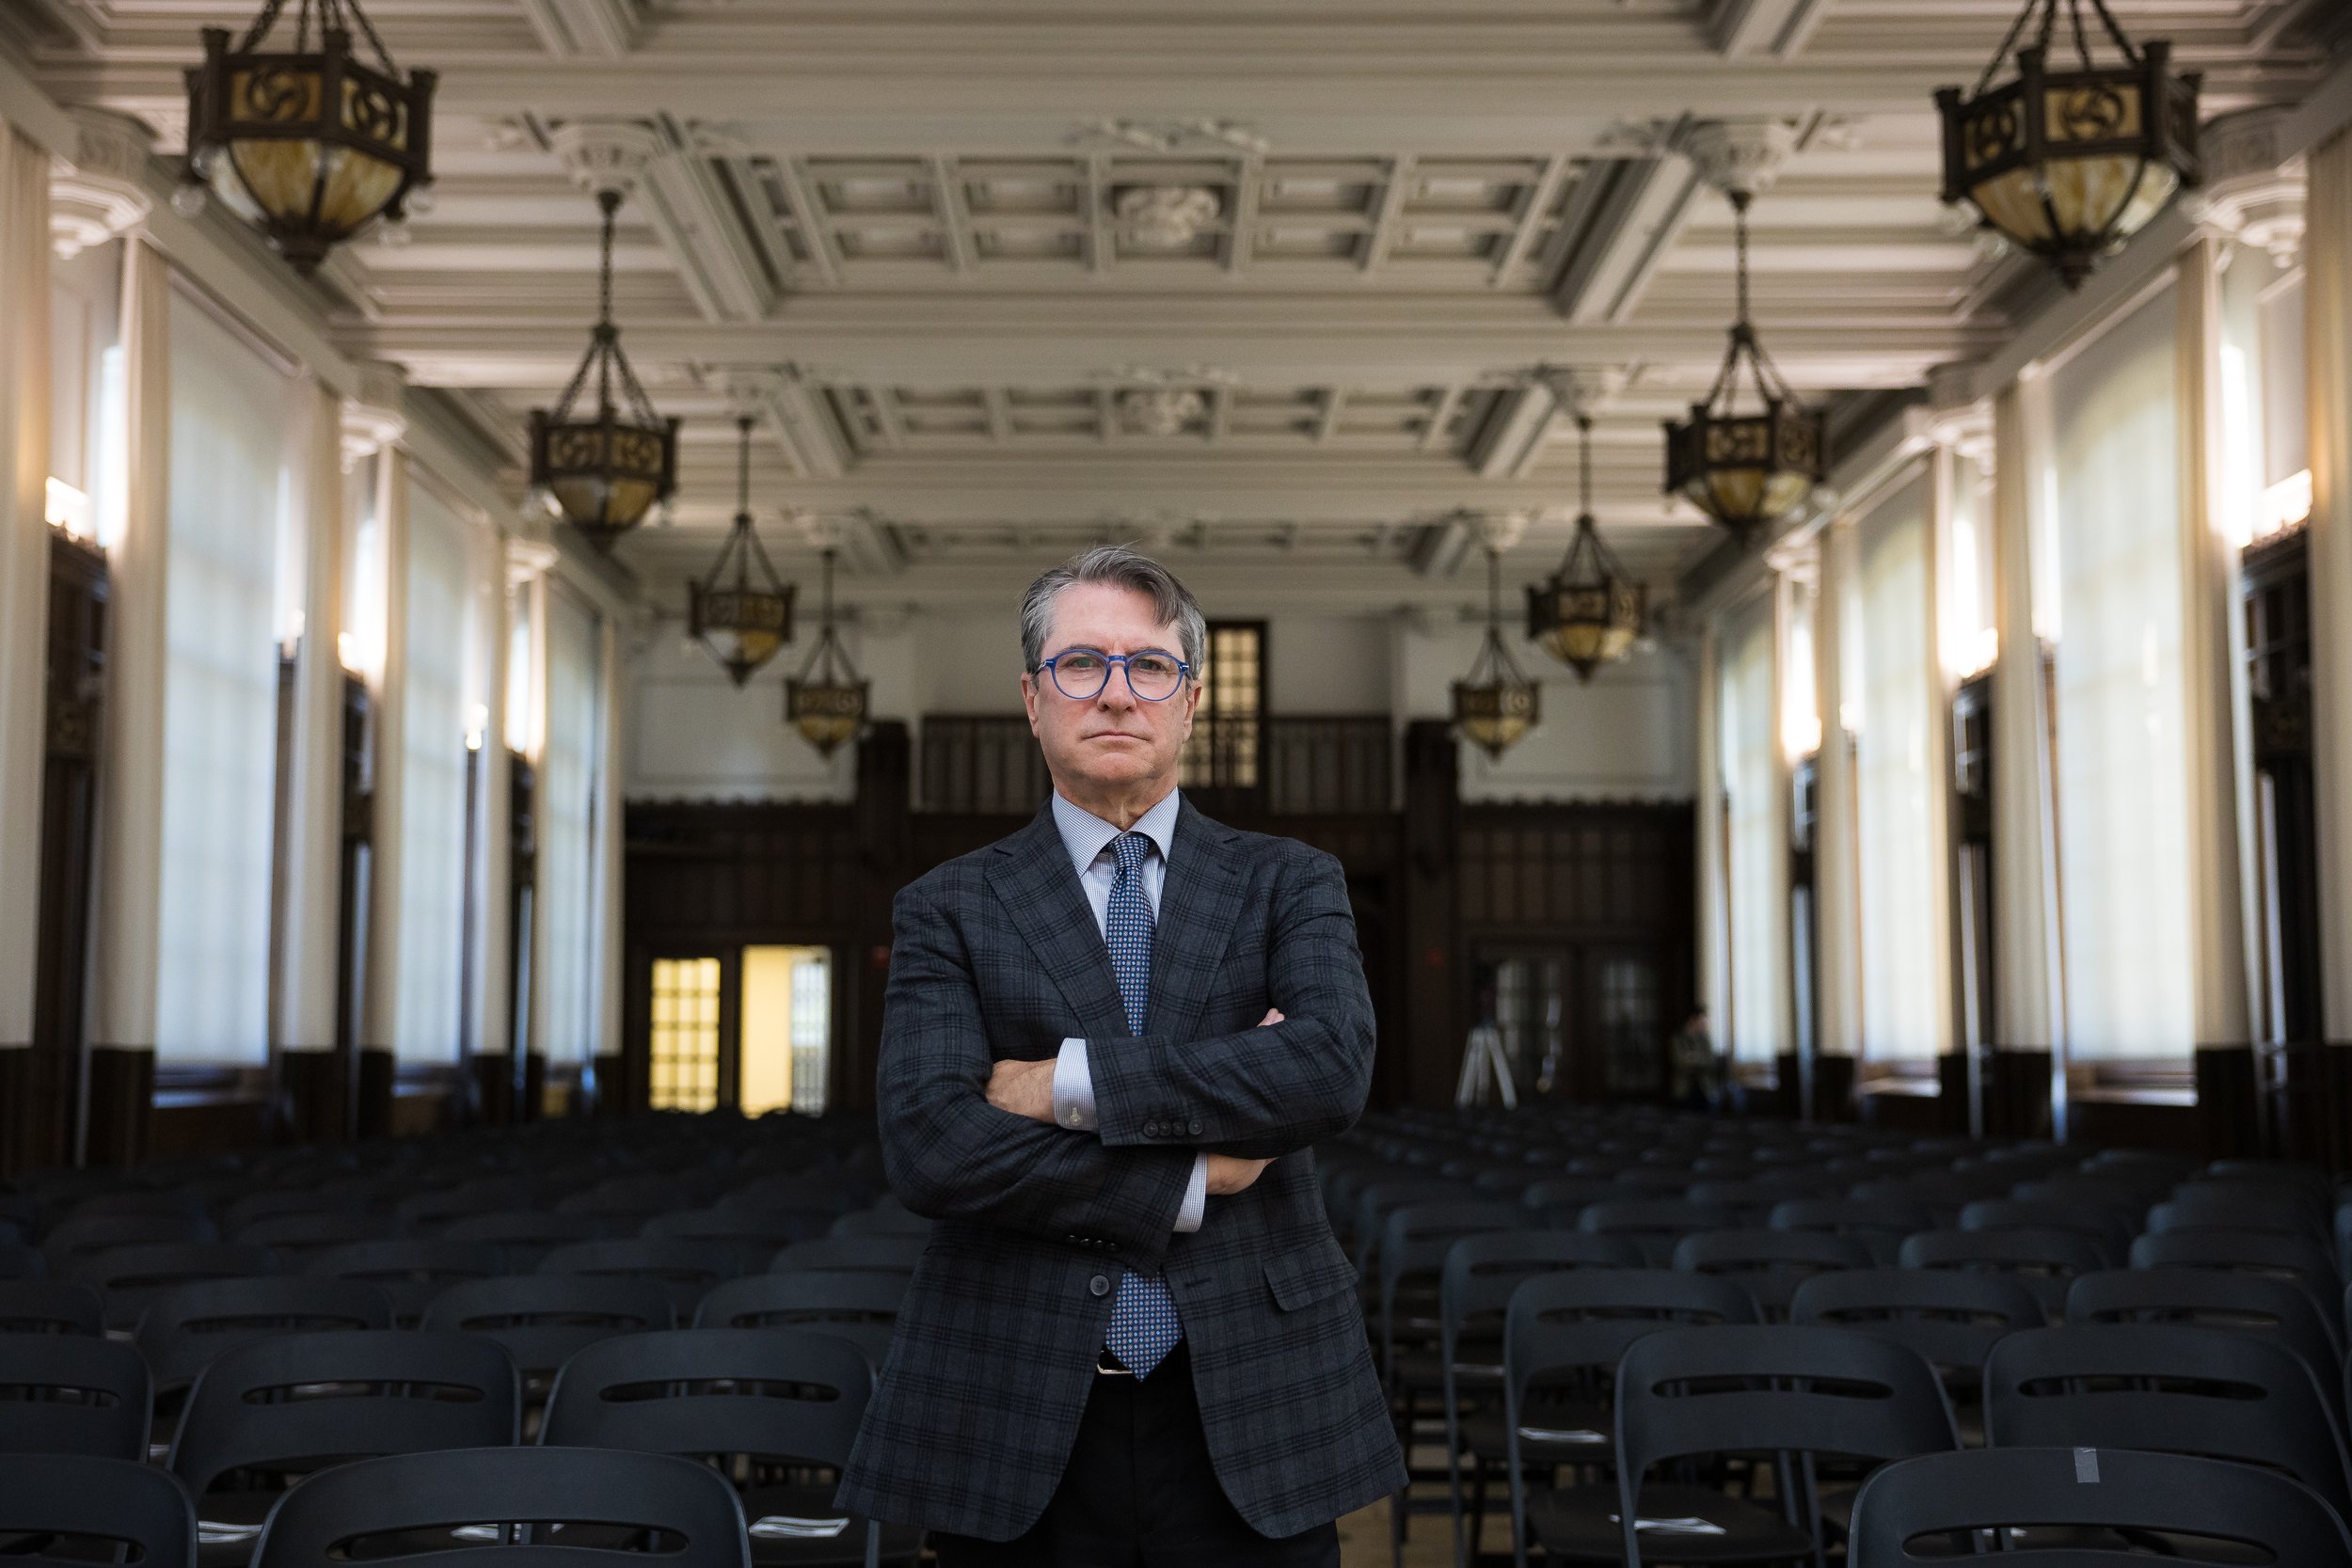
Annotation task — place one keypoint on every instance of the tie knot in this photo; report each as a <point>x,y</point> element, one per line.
<point>1129,849</point>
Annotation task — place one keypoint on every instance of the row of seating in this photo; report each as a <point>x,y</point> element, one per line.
<point>1503,1299</point>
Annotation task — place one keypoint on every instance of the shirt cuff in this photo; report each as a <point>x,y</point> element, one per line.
<point>1196,1196</point>
<point>1073,1088</point>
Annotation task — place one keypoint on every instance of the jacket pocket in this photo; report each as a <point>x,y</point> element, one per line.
<point>1309,1273</point>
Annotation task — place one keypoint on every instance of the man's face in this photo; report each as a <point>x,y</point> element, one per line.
<point>1114,739</point>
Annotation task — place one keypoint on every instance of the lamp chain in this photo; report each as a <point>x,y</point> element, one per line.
<point>1740,240</point>
<point>1584,463</point>
<point>743,468</point>
<point>611,201</point>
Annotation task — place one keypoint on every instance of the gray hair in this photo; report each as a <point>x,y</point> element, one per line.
<point>1171,601</point>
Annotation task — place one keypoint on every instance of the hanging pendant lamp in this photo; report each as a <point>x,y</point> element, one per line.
<point>1746,471</point>
<point>604,467</point>
<point>312,144</point>
<point>743,622</point>
<point>1589,612</point>
<point>1496,705</point>
<point>2068,163</point>
<point>827,702</point>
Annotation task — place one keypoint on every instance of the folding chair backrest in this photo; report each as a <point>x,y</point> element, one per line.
<point>411,1272</point>
<point>68,1510</point>
<point>1770,1264</point>
<point>2209,1513</point>
<point>378,1502</point>
<point>853,1254</point>
<point>297,1400</point>
<point>1776,1388</point>
<point>1951,1319</point>
<point>184,1330</point>
<point>684,1392</point>
<point>73,1393</point>
<point>1657,1224</point>
<point>49,1306</point>
<point>2209,1298</point>
<point>543,1319</point>
<point>2209,1391</point>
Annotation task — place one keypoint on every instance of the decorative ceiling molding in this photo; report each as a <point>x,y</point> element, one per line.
<point>589,29</point>
<point>1742,156</point>
<point>1780,28</point>
<point>2252,195</point>
<point>1169,136</point>
<point>102,191</point>
<point>1165,217</point>
<point>606,154</point>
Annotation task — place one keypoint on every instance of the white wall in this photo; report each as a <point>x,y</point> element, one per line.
<point>1628,736</point>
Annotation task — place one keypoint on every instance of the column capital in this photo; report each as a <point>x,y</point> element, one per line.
<point>373,417</point>
<point>100,192</point>
<point>529,556</point>
<point>2253,192</point>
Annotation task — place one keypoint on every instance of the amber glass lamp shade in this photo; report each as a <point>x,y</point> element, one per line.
<point>310,144</point>
<point>2070,158</point>
<point>1589,612</point>
<point>827,703</point>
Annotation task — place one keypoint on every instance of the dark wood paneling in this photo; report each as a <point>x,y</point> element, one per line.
<point>35,1108</point>
<point>2017,1094</point>
<point>2315,1106</point>
<point>378,1071</point>
<point>122,1104</point>
<point>2228,1110</point>
<point>1833,1089</point>
<point>314,1095</point>
<point>2121,1123</point>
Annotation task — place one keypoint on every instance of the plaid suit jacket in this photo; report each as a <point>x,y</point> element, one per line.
<point>996,954</point>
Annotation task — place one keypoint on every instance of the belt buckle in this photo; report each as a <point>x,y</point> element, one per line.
<point>1106,1365</point>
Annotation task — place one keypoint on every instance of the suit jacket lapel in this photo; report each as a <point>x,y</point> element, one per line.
<point>1199,905</point>
<point>1041,893</point>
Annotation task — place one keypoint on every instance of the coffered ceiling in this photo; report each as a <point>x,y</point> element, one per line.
<point>1289,281</point>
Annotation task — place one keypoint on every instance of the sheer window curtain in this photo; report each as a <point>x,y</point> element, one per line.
<point>2112,499</point>
<point>1904,1015</point>
<point>1757,836</point>
<point>230,480</point>
<point>566,789</point>
<point>432,778</point>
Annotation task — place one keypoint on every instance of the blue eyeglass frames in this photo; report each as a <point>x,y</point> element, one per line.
<point>1081,673</point>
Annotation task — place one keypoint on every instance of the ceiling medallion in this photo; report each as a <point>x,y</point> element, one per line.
<point>1746,471</point>
<point>1496,705</point>
<point>312,144</point>
<point>2070,163</point>
<point>604,467</point>
<point>827,702</point>
<point>743,622</point>
<point>1162,411</point>
<point>1165,217</point>
<point>1589,612</point>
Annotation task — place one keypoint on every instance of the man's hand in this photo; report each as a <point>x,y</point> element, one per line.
<point>1025,1088</point>
<point>1230,1174</point>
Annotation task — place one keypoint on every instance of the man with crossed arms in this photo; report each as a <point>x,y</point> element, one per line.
<point>1107,1042</point>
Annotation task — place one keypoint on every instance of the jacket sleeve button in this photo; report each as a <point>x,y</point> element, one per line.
<point>1193,1127</point>
<point>1099,1286</point>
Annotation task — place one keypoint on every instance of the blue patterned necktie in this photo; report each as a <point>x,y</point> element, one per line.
<point>1144,1326</point>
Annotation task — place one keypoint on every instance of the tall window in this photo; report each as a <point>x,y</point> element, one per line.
<point>230,410</point>
<point>432,778</point>
<point>685,1045</point>
<point>567,805</point>
<point>1904,1012</point>
<point>1757,836</point>
<point>2113,497</point>
<point>1223,752</point>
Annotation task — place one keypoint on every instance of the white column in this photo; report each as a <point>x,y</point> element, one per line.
<point>312,850</point>
<point>1715,938</point>
<point>611,769</point>
<point>2026,1010</point>
<point>1942,475</point>
<point>1784,827</point>
<point>494,873</point>
<point>1838,899</point>
<point>24,564</point>
<point>131,782</point>
<point>2209,571</point>
<point>2327,347</point>
<point>382,1014</point>
<point>535,985</point>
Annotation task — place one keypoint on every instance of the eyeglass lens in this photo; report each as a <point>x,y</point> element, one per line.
<point>1081,673</point>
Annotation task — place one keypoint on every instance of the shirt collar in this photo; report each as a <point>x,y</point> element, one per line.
<point>1086,835</point>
